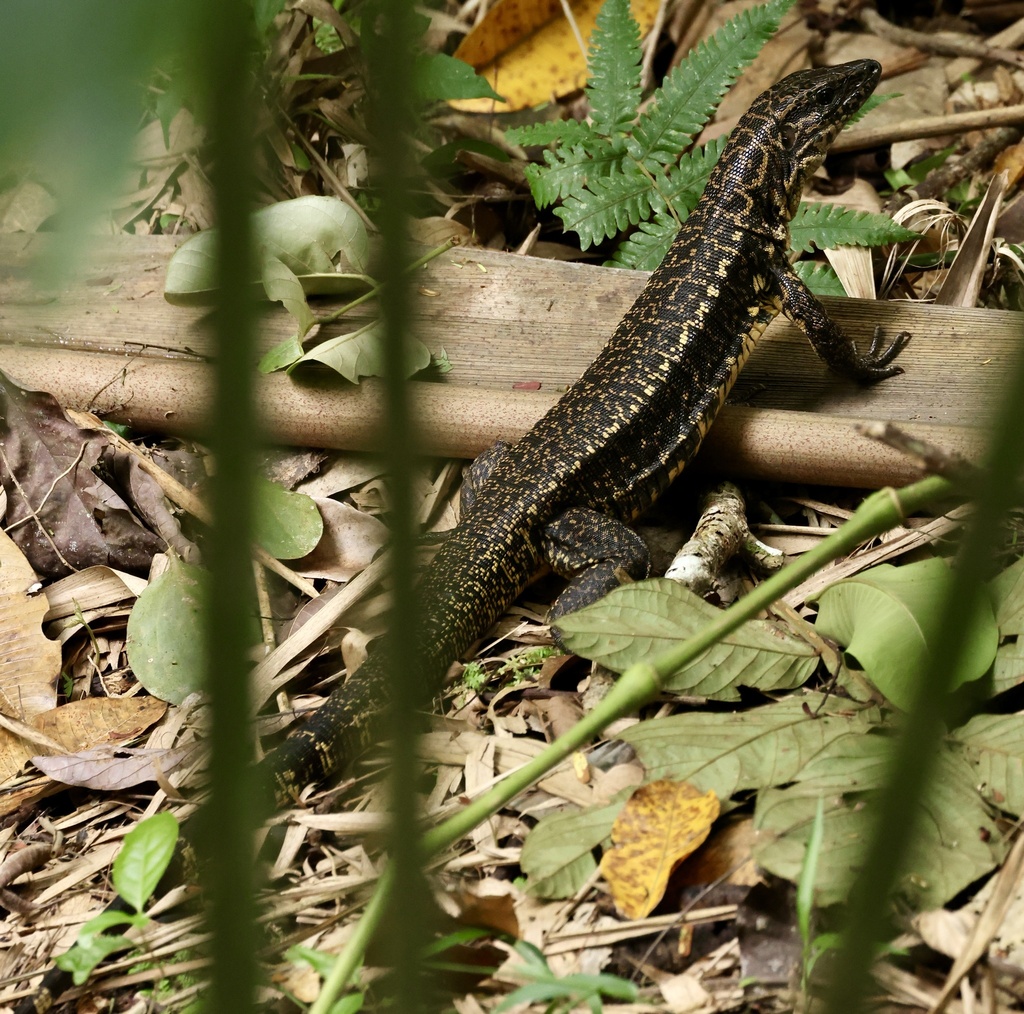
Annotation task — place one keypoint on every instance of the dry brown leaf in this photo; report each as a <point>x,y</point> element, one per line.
<point>350,541</point>
<point>112,768</point>
<point>83,724</point>
<point>29,661</point>
<point>529,52</point>
<point>660,825</point>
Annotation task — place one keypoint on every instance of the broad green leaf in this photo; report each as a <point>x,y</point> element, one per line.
<point>887,617</point>
<point>956,840</point>
<point>358,354</point>
<point>1007,589</point>
<point>282,285</point>
<point>144,857</point>
<point>994,747</point>
<point>167,632</point>
<point>439,77</point>
<point>89,950</point>
<point>745,750</point>
<point>828,225</point>
<point>321,240</point>
<point>637,621</point>
<point>282,355</point>
<point>558,853</point>
<point>288,525</point>
<point>1008,670</point>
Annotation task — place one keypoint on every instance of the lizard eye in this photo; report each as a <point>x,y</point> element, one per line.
<point>826,95</point>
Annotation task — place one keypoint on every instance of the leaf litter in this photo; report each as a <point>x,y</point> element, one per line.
<point>770,760</point>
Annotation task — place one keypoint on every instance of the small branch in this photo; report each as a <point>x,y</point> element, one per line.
<point>929,126</point>
<point>944,45</point>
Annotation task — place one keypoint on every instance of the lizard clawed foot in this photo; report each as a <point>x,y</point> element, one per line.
<point>876,364</point>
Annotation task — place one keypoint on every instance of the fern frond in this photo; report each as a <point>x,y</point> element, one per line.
<point>690,94</point>
<point>819,278</point>
<point>608,206</point>
<point>614,64</point>
<point>645,248</point>
<point>871,102</point>
<point>828,225</point>
<point>565,132</point>
<point>568,171</point>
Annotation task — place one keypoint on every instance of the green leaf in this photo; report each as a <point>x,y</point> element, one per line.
<point>282,285</point>
<point>320,239</point>
<point>88,951</point>
<point>167,632</point>
<point>282,355</point>
<point>888,617</point>
<point>1007,590</point>
<point>691,93</point>
<point>358,354</point>
<point>828,225</point>
<point>288,525</point>
<point>609,205</point>
<point>645,618</point>
<point>956,840</point>
<point>144,857</point>
<point>752,749</point>
<point>614,63</point>
<point>994,747</point>
<point>569,170</point>
<point>819,278</point>
<point>439,77</point>
<point>558,853</point>
<point>563,132</point>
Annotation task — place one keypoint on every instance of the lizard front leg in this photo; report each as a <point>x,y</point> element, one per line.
<point>828,339</point>
<point>596,552</point>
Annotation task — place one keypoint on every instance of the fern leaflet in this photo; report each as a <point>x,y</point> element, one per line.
<point>608,206</point>
<point>614,86</point>
<point>827,225</point>
<point>690,94</point>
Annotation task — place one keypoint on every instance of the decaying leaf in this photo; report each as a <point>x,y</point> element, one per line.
<point>528,52</point>
<point>661,824</point>
<point>112,768</point>
<point>60,512</point>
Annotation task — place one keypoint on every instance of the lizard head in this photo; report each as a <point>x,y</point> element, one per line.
<point>807,110</point>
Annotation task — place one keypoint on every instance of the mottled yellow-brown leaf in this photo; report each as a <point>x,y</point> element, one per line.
<point>660,825</point>
<point>529,53</point>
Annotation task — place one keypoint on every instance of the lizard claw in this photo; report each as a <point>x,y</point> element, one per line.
<point>877,363</point>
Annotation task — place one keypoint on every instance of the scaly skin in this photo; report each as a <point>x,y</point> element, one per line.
<point>634,420</point>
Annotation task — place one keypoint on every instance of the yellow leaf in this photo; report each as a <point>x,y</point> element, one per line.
<point>529,53</point>
<point>661,825</point>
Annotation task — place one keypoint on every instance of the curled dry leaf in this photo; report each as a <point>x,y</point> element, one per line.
<point>660,825</point>
<point>112,768</point>
<point>60,512</point>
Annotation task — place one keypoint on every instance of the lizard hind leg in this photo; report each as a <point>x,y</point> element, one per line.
<point>596,552</point>
<point>478,472</point>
